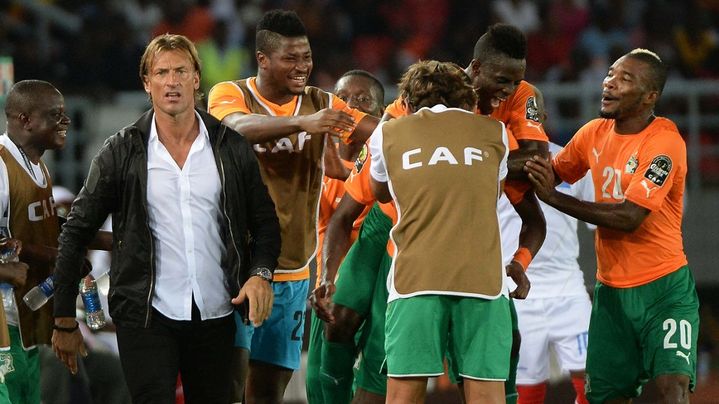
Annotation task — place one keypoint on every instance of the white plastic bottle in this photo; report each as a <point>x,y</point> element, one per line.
<point>40,294</point>
<point>8,253</point>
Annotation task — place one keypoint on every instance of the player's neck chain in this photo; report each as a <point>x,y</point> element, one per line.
<point>26,160</point>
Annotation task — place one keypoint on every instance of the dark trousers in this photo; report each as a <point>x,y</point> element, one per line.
<point>199,350</point>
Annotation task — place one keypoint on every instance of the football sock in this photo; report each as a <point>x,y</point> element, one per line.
<point>578,383</point>
<point>336,373</point>
<point>532,393</point>
<point>314,358</point>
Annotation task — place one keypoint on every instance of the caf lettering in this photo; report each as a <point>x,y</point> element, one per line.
<point>285,144</point>
<point>40,210</point>
<point>411,158</point>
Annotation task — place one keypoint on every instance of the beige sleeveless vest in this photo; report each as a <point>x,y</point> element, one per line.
<point>292,169</point>
<point>33,220</point>
<point>443,170</point>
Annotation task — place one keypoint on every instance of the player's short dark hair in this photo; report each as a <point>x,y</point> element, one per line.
<point>429,82</point>
<point>24,95</point>
<point>657,72</point>
<point>501,40</point>
<point>376,84</point>
<point>275,24</point>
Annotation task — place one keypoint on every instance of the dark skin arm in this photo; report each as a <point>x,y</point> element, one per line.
<point>336,245</point>
<point>102,241</point>
<point>624,216</point>
<point>362,132</point>
<point>263,128</point>
<point>531,237</point>
<point>48,255</point>
<point>380,190</point>
<point>14,273</point>
<point>518,158</point>
<point>36,252</point>
<point>333,164</point>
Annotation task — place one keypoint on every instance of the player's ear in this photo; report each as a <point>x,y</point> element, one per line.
<point>652,97</point>
<point>474,67</point>
<point>262,59</point>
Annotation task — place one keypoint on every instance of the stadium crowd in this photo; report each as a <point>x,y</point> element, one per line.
<point>569,40</point>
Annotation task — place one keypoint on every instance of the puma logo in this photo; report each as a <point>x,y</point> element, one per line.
<point>646,188</point>
<point>596,154</point>
<point>334,380</point>
<point>685,356</point>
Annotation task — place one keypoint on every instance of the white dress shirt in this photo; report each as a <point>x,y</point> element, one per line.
<point>184,214</point>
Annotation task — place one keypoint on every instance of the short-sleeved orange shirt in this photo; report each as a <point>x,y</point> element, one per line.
<point>647,168</point>
<point>521,115</point>
<point>358,187</point>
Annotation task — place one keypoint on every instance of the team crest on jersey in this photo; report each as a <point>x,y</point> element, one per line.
<point>659,170</point>
<point>632,165</point>
<point>361,158</point>
<point>532,109</point>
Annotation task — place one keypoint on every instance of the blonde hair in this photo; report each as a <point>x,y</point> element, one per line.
<point>170,42</point>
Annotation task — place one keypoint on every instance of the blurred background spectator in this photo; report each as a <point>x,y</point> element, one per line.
<point>92,47</point>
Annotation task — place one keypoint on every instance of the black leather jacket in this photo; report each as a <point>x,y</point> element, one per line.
<point>117,184</point>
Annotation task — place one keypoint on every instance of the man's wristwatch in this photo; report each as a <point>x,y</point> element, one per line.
<point>264,273</point>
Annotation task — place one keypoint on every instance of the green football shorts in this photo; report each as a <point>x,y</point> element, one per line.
<point>476,333</point>
<point>360,268</point>
<point>639,333</point>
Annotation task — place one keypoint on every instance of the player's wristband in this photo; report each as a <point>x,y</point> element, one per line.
<point>523,257</point>
<point>66,329</point>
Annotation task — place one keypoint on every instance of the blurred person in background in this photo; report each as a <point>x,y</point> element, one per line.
<point>221,59</point>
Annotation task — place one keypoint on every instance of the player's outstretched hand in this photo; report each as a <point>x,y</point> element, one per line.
<point>541,175</point>
<point>321,300</point>
<point>330,121</point>
<point>516,272</point>
<point>259,296</point>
